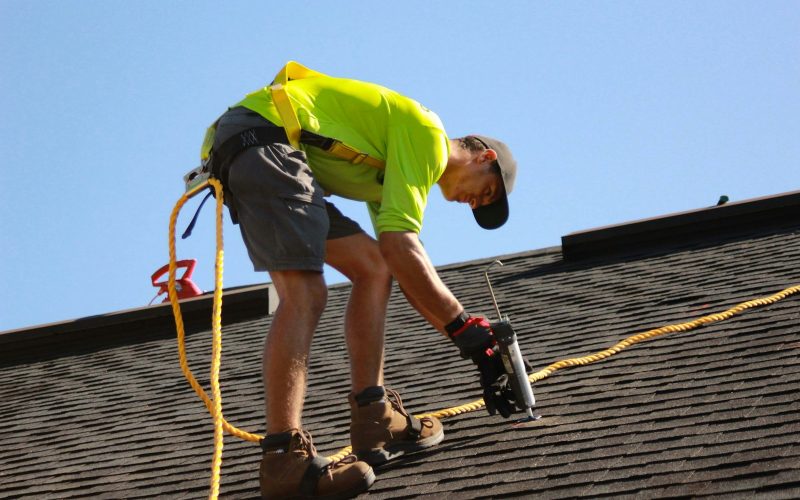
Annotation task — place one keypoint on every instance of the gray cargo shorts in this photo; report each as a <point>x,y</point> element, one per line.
<point>283,217</point>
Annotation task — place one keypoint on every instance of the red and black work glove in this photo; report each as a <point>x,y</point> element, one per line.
<point>474,339</point>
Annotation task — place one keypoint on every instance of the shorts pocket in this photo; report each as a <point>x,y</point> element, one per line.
<point>308,198</point>
<point>299,205</point>
<point>300,232</point>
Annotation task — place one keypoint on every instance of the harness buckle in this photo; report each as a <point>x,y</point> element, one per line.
<point>197,176</point>
<point>359,158</point>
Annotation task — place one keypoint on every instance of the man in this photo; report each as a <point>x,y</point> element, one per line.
<point>277,162</point>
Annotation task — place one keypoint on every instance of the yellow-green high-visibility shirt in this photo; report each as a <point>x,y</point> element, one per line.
<point>375,120</point>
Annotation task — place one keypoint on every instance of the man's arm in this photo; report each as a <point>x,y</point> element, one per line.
<point>418,279</point>
<point>421,284</point>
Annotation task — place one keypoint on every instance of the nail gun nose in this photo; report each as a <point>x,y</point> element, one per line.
<point>526,422</point>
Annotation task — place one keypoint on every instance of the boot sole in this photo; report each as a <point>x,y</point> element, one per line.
<point>381,456</point>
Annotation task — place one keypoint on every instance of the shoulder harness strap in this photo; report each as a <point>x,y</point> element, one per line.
<point>295,71</point>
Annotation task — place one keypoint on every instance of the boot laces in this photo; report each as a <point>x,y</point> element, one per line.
<point>302,445</point>
<point>305,447</point>
<point>397,404</point>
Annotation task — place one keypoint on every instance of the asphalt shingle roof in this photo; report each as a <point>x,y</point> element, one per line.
<point>100,408</point>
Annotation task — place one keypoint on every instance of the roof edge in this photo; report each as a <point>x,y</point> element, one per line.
<point>240,301</point>
<point>619,238</point>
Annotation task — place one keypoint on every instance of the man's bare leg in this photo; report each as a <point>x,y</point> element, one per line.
<point>359,259</point>
<point>302,297</point>
<point>377,414</point>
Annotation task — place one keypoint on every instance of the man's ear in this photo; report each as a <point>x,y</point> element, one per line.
<point>489,155</point>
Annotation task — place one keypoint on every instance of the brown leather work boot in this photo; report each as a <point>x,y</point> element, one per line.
<point>291,468</point>
<point>381,429</point>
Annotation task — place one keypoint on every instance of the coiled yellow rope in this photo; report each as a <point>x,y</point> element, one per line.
<point>215,406</point>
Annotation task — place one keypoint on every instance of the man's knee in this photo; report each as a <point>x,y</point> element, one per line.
<point>301,290</point>
<point>372,270</point>
<point>359,258</point>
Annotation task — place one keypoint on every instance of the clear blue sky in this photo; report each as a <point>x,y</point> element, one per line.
<point>615,110</point>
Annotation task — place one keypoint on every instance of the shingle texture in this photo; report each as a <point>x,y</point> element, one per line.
<point>711,412</point>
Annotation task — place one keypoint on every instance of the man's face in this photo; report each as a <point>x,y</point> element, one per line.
<point>479,186</point>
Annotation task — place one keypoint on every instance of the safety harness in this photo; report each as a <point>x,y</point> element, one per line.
<point>215,160</point>
<point>291,132</point>
<point>263,136</point>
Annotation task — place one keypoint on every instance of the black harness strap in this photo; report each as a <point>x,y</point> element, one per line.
<point>222,156</point>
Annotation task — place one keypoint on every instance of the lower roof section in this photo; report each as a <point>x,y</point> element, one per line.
<point>710,412</point>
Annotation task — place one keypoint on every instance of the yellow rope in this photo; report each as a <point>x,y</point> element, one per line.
<point>634,339</point>
<point>215,406</point>
<point>680,327</point>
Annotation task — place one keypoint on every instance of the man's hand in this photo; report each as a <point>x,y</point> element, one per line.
<point>497,392</point>
<point>474,339</point>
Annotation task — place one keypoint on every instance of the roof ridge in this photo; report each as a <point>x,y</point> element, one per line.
<point>691,224</point>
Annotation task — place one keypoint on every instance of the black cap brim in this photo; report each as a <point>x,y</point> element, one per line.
<point>496,214</point>
<point>493,215</point>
